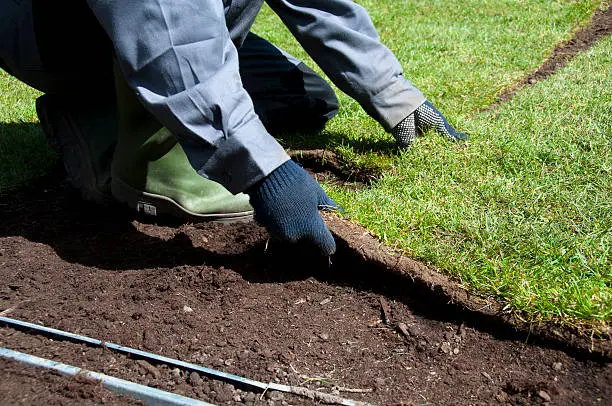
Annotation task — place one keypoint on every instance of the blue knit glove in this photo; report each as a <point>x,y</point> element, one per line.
<point>424,118</point>
<point>287,204</point>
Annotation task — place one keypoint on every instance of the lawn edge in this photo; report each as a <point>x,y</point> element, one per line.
<point>442,291</point>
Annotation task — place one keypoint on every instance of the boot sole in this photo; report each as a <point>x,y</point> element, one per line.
<point>154,205</point>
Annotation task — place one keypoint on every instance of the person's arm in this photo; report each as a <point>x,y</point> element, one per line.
<point>340,37</point>
<point>179,59</point>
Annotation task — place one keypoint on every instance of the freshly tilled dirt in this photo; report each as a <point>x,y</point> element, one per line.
<point>368,326</point>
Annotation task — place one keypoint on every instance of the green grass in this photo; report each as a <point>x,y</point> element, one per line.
<point>24,154</point>
<point>461,53</point>
<point>523,213</point>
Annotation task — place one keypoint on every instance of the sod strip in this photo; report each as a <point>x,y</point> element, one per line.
<point>150,396</point>
<point>309,393</point>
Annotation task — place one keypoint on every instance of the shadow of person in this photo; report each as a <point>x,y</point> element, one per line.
<point>48,211</point>
<point>327,139</point>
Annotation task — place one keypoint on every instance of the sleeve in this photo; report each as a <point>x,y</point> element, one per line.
<point>340,36</point>
<point>178,57</point>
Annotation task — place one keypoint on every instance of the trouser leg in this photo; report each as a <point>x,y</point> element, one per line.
<point>42,45</point>
<point>83,133</point>
<point>111,147</point>
<point>78,112</point>
<point>286,93</point>
<point>151,173</point>
<point>4,67</point>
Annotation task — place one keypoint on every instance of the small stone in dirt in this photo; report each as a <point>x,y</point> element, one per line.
<point>149,368</point>
<point>501,397</point>
<point>225,393</point>
<point>456,350</point>
<point>187,309</point>
<point>557,366</point>
<point>445,347</point>
<point>325,301</point>
<point>486,375</point>
<point>544,395</point>
<point>194,379</point>
<point>250,397</point>
<point>176,373</point>
<point>237,398</point>
<point>422,346</point>
<point>386,311</point>
<point>531,81</point>
<point>460,330</point>
<point>403,328</point>
<point>201,357</point>
<point>324,336</point>
<point>275,395</point>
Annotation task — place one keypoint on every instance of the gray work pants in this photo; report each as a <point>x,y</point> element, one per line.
<point>69,54</point>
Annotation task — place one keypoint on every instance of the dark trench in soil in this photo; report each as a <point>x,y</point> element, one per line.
<point>599,26</point>
<point>227,298</point>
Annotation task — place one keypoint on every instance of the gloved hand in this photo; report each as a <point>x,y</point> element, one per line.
<point>287,203</point>
<point>425,117</point>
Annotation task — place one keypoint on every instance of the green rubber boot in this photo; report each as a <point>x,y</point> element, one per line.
<point>151,173</point>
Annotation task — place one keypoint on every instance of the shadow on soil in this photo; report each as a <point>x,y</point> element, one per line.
<point>48,212</point>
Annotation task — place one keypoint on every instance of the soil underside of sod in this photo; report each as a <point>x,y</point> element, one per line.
<point>226,297</point>
<point>371,326</point>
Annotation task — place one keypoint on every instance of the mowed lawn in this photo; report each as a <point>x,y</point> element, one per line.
<point>522,213</point>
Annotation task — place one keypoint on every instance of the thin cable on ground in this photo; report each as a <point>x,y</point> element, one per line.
<point>309,393</point>
<point>150,396</point>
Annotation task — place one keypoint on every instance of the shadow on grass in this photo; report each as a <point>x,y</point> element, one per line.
<point>24,155</point>
<point>332,140</point>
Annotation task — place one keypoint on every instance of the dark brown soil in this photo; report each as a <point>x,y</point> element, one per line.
<point>24,385</point>
<point>227,298</point>
<point>325,166</point>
